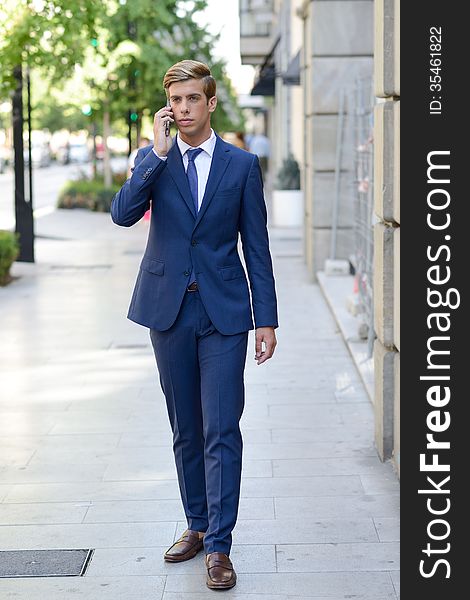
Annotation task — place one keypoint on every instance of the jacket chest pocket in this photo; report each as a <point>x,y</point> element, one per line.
<point>230,191</point>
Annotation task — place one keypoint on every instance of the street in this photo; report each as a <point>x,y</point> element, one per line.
<point>47,182</point>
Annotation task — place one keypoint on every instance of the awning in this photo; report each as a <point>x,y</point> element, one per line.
<point>292,75</point>
<point>265,82</point>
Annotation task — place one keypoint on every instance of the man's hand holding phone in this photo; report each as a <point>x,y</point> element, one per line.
<point>161,130</point>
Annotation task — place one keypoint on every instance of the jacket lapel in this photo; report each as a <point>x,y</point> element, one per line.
<point>176,169</point>
<point>220,161</point>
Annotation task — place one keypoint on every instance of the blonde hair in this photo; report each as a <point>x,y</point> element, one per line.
<point>190,69</point>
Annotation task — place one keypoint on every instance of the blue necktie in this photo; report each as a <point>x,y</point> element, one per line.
<point>191,173</point>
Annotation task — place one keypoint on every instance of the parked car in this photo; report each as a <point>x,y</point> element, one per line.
<point>40,154</point>
<point>99,150</point>
<point>78,153</point>
<point>62,155</point>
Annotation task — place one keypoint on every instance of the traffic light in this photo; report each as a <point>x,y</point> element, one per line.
<point>134,116</point>
<point>87,110</point>
<point>94,42</point>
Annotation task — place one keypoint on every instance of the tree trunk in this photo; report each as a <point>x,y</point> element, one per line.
<point>139,129</point>
<point>95,160</point>
<point>108,177</point>
<point>129,132</point>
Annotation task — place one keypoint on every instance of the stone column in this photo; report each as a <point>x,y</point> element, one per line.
<point>338,47</point>
<point>387,230</point>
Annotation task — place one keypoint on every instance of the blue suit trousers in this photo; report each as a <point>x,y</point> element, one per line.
<point>202,377</point>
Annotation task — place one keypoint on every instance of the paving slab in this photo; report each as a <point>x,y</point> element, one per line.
<point>366,586</point>
<point>85,588</point>
<point>305,558</point>
<point>109,562</point>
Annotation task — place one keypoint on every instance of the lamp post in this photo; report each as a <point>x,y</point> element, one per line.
<point>87,110</point>
<point>23,208</point>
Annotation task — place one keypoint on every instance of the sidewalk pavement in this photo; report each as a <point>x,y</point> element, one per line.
<point>85,445</point>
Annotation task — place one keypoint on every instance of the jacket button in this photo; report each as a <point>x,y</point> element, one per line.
<point>194,243</point>
<point>186,273</point>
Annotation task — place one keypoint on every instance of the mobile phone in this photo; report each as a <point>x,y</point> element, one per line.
<point>167,124</point>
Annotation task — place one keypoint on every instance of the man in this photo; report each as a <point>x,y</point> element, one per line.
<point>192,293</point>
<point>259,145</point>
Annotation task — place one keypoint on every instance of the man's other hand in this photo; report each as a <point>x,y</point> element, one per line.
<point>266,335</point>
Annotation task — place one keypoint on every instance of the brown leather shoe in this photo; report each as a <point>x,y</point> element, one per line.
<point>186,547</point>
<point>220,572</point>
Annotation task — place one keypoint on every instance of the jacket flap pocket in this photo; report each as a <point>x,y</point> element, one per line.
<point>232,272</point>
<point>153,266</point>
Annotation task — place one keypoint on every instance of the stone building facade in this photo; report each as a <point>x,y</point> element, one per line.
<point>331,44</point>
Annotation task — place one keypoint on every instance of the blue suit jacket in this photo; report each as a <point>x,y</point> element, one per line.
<point>179,238</point>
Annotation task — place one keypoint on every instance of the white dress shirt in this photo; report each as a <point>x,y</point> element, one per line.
<point>202,161</point>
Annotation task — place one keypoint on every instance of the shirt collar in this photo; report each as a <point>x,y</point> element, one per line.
<point>207,146</point>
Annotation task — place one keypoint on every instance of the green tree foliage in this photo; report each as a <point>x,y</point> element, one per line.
<point>122,47</point>
<point>55,116</point>
<point>142,39</point>
<point>50,35</point>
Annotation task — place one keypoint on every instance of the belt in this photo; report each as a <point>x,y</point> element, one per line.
<point>192,287</point>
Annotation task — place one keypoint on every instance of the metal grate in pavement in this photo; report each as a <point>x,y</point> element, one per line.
<point>44,563</point>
